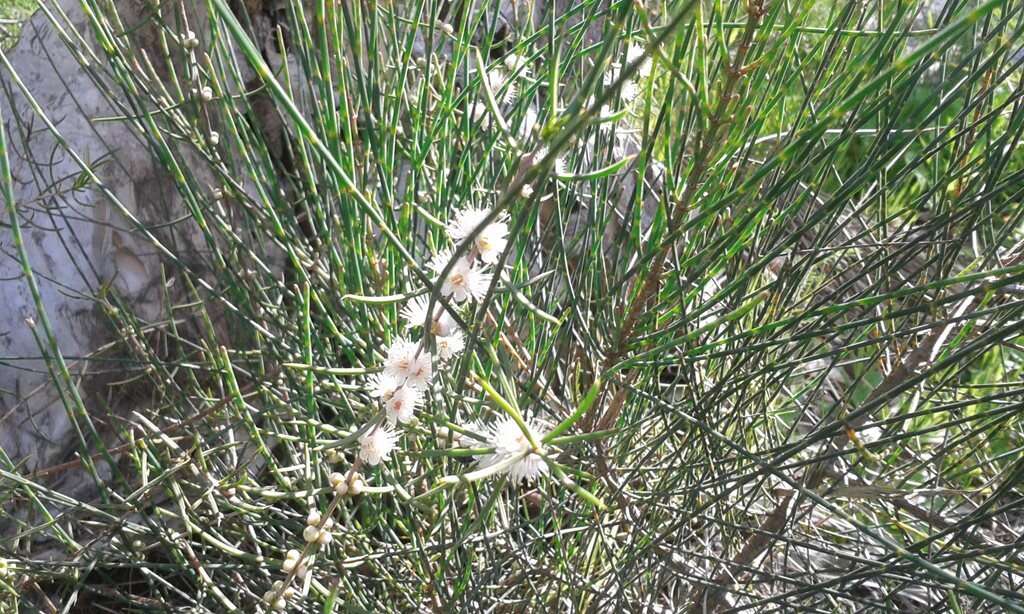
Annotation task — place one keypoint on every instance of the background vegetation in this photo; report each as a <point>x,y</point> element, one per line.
<point>775,294</point>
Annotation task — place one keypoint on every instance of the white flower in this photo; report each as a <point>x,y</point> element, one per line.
<point>444,325</point>
<point>509,441</point>
<point>514,62</point>
<point>634,53</point>
<point>415,314</point>
<point>415,311</point>
<point>464,280</point>
<point>402,404</point>
<point>529,123</point>
<point>449,346</point>
<point>464,222</point>
<point>629,89</point>
<point>498,79</point>
<point>383,385</point>
<point>407,363</point>
<point>560,166</point>
<point>476,427</point>
<point>490,241</point>
<point>605,113</point>
<point>478,114</point>
<point>376,444</point>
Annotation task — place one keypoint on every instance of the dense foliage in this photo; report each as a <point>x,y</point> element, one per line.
<point>756,326</point>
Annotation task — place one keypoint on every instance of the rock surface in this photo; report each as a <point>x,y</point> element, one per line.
<point>85,236</point>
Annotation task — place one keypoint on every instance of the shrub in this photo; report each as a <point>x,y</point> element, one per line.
<point>569,305</point>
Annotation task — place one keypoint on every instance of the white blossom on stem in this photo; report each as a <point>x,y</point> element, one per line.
<point>464,281</point>
<point>634,53</point>
<point>450,346</point>
<point>560,166</point>
<point>401,405</point>
<point>376,444</point>
<point>445,325</point>
<point>509,441</point>
<point>629,89</point>
<point>382,385</point>
<point>415,311</point>
<point>408,363</point>
<point>517,64</point>
<point>490,242</point>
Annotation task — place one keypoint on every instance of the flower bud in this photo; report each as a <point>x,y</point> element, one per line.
<point>356,488</point>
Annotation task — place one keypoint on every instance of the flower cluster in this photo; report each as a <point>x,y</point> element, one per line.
<point>318,529</point>
<point>408,367</point>
<point>401,381</point>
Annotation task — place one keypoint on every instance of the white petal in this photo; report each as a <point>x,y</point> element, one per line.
<point>449,346</point>
<point>415,311</point>
<point>465,222</point>
<point>382,385</point>
<point>492,241</point>
<point>508,441</point>
<point>401,406</point>
<point>376,444</point>
<point>408,363</point>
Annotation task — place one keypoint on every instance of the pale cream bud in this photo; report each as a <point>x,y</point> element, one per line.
<point>356,488</point>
